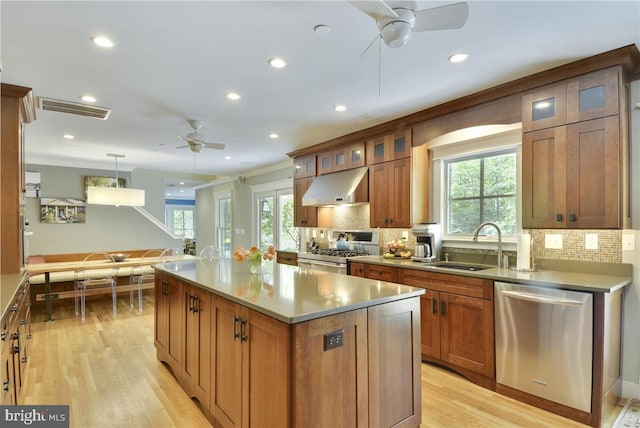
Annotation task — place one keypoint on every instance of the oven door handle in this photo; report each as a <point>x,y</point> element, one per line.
<point>321,263</point>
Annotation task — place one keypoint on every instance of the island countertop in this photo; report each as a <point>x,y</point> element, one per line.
<point>287,293</point>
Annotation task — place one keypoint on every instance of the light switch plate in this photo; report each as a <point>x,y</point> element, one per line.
<point>628,242</point>
<point>553,241</point>
<point>591,241</point>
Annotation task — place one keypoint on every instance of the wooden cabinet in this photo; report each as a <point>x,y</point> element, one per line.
<point>587,97</point>
<point>340,158</point>
<point>15,335</point>
<point>571,176</point>
<point>169,318</point>
<point>572,154</point>
<point>196,367</point>
<point>304,166</point>
<point>250,367</point>
<point>457,321</point>
<point>390,194</point>
<point>17,110</point>
<point>389,147</point>
<point>381,273</point>
<point>394,359</point>
<point>356,269</point>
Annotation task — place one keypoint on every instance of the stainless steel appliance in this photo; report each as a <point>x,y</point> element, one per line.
<point>544,342</point>
<point>428,242</point>
<point>332,259</point>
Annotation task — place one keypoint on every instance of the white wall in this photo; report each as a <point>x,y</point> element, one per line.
<point>107,228</point>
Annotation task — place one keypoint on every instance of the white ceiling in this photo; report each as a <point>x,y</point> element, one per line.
<point>175,61</point>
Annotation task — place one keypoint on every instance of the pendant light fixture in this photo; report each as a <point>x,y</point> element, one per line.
<point>115,195</point>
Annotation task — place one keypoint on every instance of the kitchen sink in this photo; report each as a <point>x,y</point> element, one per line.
<point>459,266</point>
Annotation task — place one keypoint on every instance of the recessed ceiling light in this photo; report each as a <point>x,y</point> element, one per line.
<point>458,57</point>
<point>88,98</point>
<point>273,136</point>
<point>339,107</point>
<point>233,96</point>
<point>182,183</point>
<point>102,41</point>
<point>181,190</point>
<point>321,29</point>
<point>277,63</point>
<point>68,136</point>
<point>168,194</point>
<point>227,157</point>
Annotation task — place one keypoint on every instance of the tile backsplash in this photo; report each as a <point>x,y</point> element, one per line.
<point>609,244</point>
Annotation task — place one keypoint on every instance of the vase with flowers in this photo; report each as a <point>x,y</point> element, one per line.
<point>254,256</point>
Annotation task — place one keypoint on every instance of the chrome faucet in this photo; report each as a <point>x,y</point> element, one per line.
<point>475,238</point>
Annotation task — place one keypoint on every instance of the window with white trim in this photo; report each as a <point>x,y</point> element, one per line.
<point>181,220</point>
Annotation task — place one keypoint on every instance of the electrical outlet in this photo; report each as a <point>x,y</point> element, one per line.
<point>628,242</point>
<point>405,235</point>
<point>553,241</point>
<point>591,241</point>
<point>333,340</point>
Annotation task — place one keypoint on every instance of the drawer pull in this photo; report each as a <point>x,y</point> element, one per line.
<point>434,305</point>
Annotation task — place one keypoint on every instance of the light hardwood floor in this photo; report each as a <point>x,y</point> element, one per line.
<point>106,370</point>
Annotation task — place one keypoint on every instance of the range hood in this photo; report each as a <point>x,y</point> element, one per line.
<point>338,188</point>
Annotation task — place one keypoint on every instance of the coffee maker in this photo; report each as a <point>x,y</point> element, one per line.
<point>428,242</point>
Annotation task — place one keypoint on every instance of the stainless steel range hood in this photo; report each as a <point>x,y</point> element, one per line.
<point>338,188</point>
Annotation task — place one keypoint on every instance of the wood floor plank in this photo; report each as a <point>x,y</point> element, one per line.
<point>106,369</point>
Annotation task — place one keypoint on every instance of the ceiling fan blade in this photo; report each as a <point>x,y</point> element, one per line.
<point>182,147</point>
<point>375,9</point>
<point>215,146</point>
<point>184,138</point>
<point>449,17</point>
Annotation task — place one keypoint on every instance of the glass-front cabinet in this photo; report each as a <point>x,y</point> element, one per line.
<point>304,166</point>
<point>388,147</point>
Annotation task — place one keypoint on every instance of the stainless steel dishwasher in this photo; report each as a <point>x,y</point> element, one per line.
<point>544,342</point>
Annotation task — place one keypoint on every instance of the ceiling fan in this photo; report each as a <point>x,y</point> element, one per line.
<point>196,141</point>
<point>397,20</point>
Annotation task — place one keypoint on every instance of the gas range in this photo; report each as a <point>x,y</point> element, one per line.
<point>361,243</point>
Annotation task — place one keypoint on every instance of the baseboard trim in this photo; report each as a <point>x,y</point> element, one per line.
<point>630,390</point>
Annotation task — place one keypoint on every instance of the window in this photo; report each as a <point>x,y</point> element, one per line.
<point>223,224</point>
<point>181,220</point>
<point>275,219</point>
<point>481,188</point>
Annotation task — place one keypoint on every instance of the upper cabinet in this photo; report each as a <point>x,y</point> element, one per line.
<point>591,96</point>
<point>304,166</point>
<point>573,154</point>
<point>389,147</point>
<point>340,158</point>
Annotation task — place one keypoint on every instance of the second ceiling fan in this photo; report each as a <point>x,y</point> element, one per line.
<point>195,141</point>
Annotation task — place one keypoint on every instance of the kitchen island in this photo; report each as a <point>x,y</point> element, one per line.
<point>289,346</point>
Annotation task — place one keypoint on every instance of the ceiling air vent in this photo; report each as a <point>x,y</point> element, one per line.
<point>74,108</point>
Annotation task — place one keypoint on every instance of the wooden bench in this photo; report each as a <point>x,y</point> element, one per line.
<point>62,283</point>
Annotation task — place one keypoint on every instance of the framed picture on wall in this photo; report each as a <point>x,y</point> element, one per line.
<point>62,210</point>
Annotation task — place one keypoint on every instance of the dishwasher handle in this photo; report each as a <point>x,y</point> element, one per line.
<point>539,298</point>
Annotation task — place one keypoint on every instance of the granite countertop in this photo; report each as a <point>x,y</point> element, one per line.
<point>287,293</point>
<point>578,276</point>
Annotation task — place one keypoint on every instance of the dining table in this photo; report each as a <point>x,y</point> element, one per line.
<point>73,266</point>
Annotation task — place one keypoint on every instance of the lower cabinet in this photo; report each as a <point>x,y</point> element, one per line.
<point>250,367</point>
<point>196,367</point>
<point>169,318</point>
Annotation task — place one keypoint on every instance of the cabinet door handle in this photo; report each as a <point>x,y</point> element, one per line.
<point>5,385</point>
<point>572,217</point>
<point>559,217</point>
<point>434,305</point>
<point>236,334</point>
<point>243,325</point>
<point>196,304</point>
<point>443,308</point>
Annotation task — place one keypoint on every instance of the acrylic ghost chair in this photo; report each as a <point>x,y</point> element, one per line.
<point>87,278</point>
<point>140,274</point>
<point>210,252</point>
